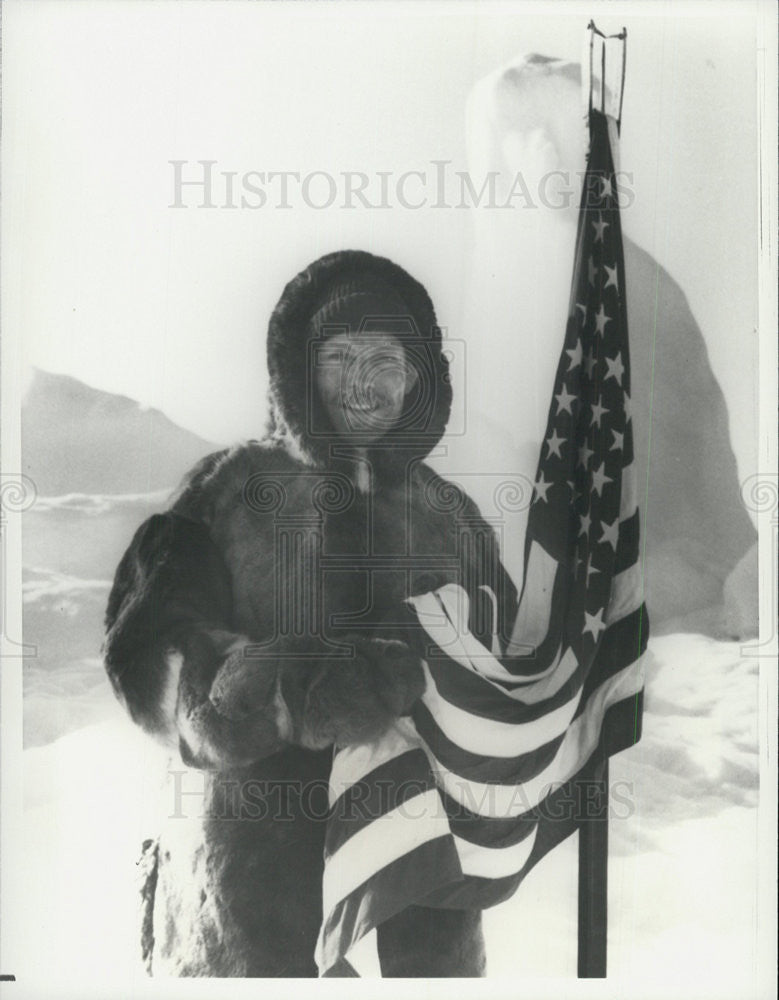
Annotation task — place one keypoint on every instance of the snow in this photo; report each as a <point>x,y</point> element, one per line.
<point>682,838</point>
<point>50,583</point>
<point>682,876</point>
<point>96,503</point>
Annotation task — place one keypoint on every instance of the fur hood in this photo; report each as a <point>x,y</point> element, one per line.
<point>297,415</point>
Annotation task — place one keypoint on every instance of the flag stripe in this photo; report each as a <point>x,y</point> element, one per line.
<point>628,543</point>
<point>621,728</point>
<point>548,687</point>
<point>418,819</point>
<point>525,657</point>
<point>353,763</point>
<point>558,816</point>
<point>618,639</point>
<point>535,608</point>
<point>444,615</point>
<point>405,880</point>
<point>628,503</point>
<point>622,644</point>
<point>445,621</point>
<point>628,454</point>
<point>378,792</point>
<point>491,736</point>
<point>488,831</point>
<point>516,702</point>
<point>579,741</point>
<point>620,647</point>
<point>481,767</point>
<point>627,593</point>
<point>494,862</point>
<point>364,956</point>
<point>477,893</point>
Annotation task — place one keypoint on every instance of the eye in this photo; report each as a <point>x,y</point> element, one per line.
<point>331,355</point>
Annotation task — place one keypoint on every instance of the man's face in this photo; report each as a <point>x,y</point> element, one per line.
<point>363,380</point>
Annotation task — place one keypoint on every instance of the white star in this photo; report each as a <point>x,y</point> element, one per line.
<point>590,568</point>
<point>589,361</point>
<point>610,533</point>
<point>576,564</point>
<point>607,191</point>
<point>542,488</point>
<point>628,408</point>
<point>591,271</point>
<point>599,227</point>
<point>599,479</point>
<point>618,441</point>
<point>554,443</point>
<point>585,454</point>
<point>584,312</point>
<point>612,273</point>
<point>616,368</point>
<point>575,354</point>
<point>597,412</point>
<point>601,319</point>
<point>594,624</point>
<point>584,524</point>
<point>564,401</point>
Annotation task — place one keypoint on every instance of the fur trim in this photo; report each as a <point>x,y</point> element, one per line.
<point>297,414</point>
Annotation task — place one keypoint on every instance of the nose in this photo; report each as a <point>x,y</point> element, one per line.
<point>375,374</point>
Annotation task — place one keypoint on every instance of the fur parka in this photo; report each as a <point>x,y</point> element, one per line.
<point>254,625</point>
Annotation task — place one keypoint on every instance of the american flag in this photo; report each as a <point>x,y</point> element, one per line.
<point>457,803</point>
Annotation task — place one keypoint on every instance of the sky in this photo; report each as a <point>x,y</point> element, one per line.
<point>107,282</point>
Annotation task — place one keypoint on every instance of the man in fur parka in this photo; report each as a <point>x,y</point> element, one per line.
<point>255,625</point>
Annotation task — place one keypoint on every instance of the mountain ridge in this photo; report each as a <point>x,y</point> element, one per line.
<point>77,438</point>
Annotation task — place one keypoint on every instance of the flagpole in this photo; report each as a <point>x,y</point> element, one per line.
<point>624,36</point>
<point>594,827</point>
<point>593,878</point>
<point>620,36</point>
